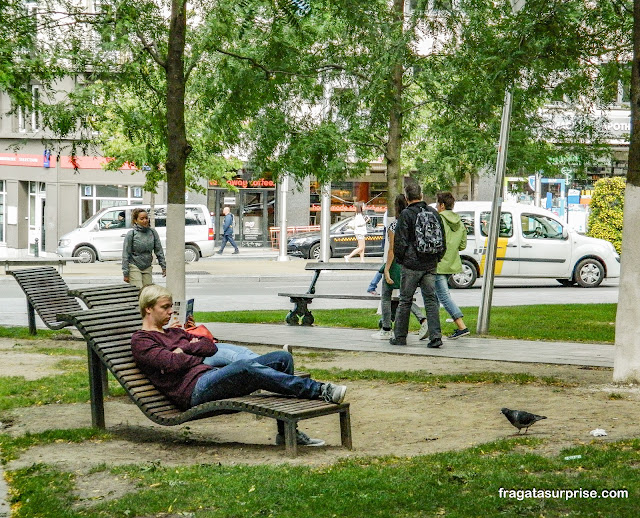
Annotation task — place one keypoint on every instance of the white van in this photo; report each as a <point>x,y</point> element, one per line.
<point>533,242</point>
<point>102,235</point>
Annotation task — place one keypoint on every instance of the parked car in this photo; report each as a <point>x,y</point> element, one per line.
<point>533,242</point>
<point>341,239</point>
<point>101,236</point>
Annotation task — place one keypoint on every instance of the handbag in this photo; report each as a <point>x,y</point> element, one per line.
<point>201,331</point>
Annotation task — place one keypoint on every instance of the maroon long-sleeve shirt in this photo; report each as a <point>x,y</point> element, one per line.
<point>175,375</point>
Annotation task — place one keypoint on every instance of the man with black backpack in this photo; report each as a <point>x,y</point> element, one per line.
<point>419,245</point>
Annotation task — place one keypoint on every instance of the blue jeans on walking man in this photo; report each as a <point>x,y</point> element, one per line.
<point>385,301</point>
<point>229,238</point>
<point>411,280</point>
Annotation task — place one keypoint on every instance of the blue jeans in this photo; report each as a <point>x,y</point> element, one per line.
<point>411,279</point>
<point>272,371</point>
<point>229,238</point>
<point>385,299</point>
<point>444,296</point>
<point>374,282</point>
<point>228,353</point>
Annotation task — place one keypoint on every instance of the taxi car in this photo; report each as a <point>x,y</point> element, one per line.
<point>341,239</point>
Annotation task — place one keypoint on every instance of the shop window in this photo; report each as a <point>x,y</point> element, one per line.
<point>111,191</point>
<point>96,197</point>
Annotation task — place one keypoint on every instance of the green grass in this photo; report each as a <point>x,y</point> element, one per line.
<point>563,322</point>
<point>22,333</point>
<point>426,378</point>
<point>72,386</point>
<point>453,484</point>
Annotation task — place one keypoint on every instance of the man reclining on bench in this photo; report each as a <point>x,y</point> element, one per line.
<point>173,361</point>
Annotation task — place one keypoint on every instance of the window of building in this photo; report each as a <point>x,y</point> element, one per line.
<point>96,197</point>
<point>3,197</point>
<point>22,125</point>
<point>35,108</point>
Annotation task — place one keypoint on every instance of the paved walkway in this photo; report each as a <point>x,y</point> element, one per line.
<point>346,339</point>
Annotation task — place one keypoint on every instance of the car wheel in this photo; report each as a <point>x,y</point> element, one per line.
<point>314,252</point>
<point>86,254</point>
<point>191,254</point>
<point>466,278</point>
<point>589,273</point>
<point>566,282</point>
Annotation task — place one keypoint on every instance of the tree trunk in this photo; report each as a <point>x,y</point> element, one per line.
<point>393,152</point>
<point>626,366</point>
<point>177,149</point>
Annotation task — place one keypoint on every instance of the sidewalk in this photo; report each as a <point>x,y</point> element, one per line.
<point>347,339</point>
<point>225,265</point>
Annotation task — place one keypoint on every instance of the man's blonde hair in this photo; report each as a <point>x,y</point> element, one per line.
<point>150,294</point>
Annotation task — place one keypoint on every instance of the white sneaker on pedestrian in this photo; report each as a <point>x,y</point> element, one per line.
<point>424,330</point>
<point>383,334</point>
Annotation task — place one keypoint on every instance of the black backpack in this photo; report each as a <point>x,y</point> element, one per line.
<point>428,231</point>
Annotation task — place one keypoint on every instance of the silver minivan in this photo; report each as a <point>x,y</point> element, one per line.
<point>101,237</point>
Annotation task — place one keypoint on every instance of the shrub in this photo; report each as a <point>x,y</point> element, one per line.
<point>606,210</point>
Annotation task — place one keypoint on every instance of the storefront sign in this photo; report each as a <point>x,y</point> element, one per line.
<point>349,208</point>
<point>241,183</point>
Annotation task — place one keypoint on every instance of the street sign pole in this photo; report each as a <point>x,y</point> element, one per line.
<point>494,223</point>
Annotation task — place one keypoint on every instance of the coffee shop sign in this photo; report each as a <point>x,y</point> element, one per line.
<point>244,184</point>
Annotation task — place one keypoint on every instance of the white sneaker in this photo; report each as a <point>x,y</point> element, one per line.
<point>382,335</point>
<point>424,330</point>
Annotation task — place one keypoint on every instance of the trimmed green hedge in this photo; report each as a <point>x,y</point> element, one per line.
<point>607,207</point>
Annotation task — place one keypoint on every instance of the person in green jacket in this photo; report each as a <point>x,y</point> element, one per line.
<point>456,239</point>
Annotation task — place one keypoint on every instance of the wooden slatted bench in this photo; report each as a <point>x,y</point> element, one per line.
<point>108,295</point>
<point>301,301</point>
<point>10,263</point>
<point>47,295</point>
<point>108,336</point>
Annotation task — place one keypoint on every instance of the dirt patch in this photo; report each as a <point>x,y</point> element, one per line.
<point>403,419</point>
<point>17,357</point>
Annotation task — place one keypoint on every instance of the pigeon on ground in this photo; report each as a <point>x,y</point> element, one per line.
<point>521,419</point>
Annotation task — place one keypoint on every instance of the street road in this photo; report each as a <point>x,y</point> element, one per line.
<point>244,293</point>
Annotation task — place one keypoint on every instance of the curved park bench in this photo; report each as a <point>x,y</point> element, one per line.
<point>301,301</point>
<point>109,295</point>
<point>108,336</point>
<point>47,294</point>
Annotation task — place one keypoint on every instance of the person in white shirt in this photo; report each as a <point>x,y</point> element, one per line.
<point>359,226</point>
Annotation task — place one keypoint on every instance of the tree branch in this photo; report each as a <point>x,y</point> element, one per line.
<point>151,48</point>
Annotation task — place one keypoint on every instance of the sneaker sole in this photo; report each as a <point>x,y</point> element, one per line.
<point>319,442</point>
<point>458,336</point>
<point>430,346</point>
<point>339,394</point>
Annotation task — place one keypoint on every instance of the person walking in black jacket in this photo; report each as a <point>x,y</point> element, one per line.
<point>418,269</point>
